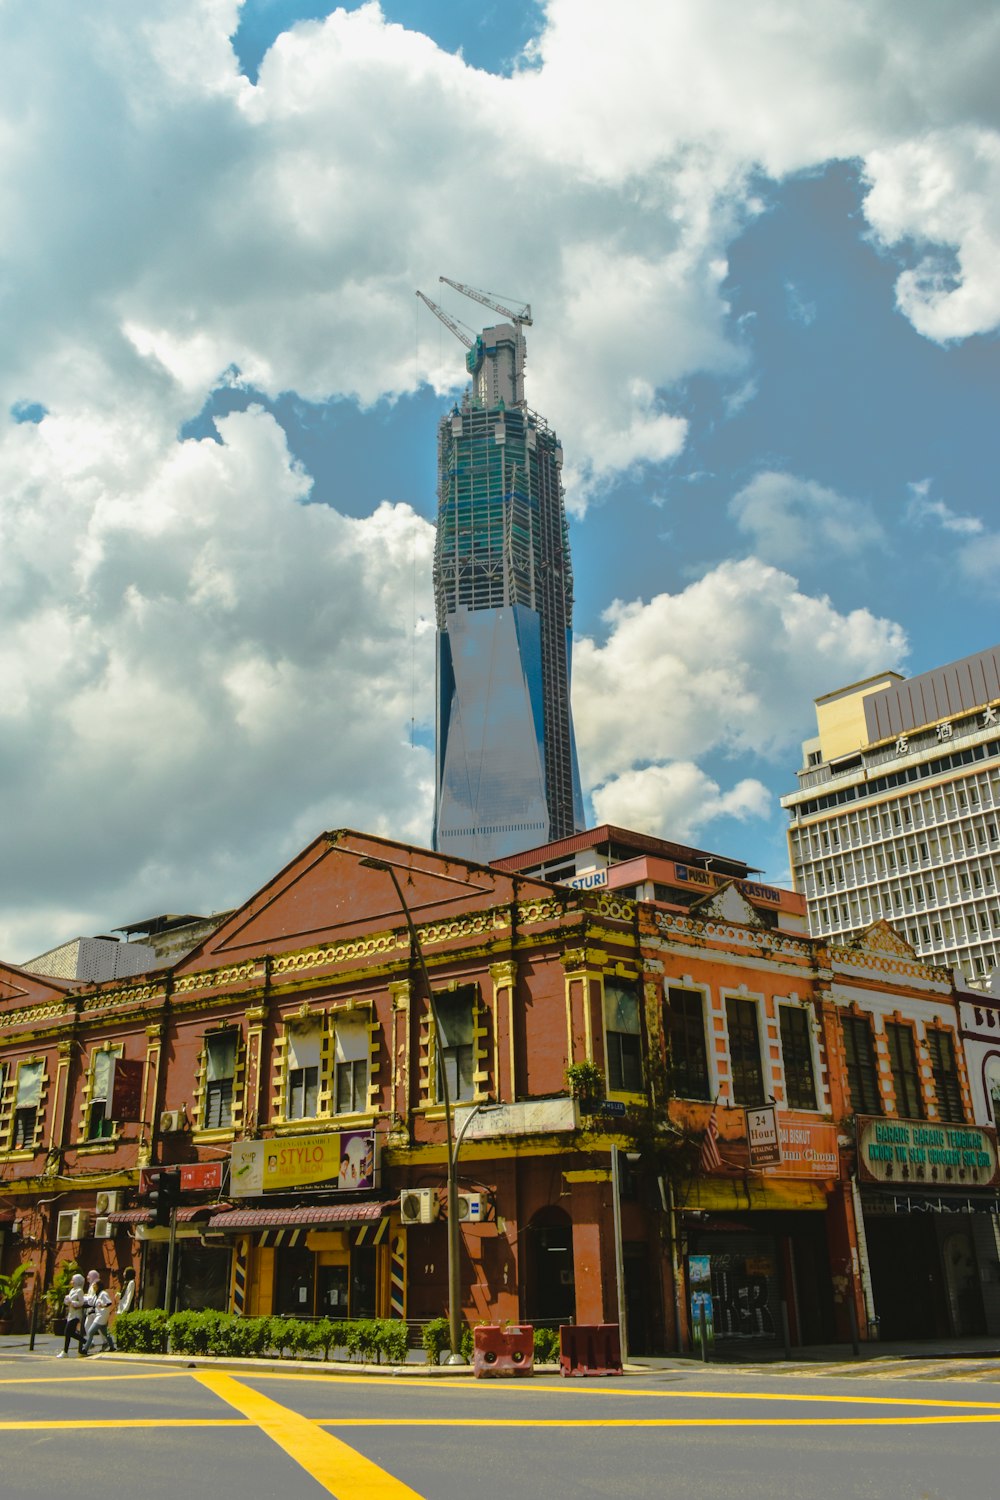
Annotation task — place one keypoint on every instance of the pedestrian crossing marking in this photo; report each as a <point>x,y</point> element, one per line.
<point>334,1464</point>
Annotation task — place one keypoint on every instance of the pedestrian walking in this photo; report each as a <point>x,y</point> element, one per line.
<point>126,1297</point>
<point>101,1304</point>
<point>74,1305</point>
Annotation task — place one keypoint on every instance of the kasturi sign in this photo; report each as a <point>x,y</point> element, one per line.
<point>923,1153</point>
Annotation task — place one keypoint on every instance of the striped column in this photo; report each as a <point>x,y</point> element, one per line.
<point>240,1264</point>
<point>397,1277</point>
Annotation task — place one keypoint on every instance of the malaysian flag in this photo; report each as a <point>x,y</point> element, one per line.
<point>711,1161</point>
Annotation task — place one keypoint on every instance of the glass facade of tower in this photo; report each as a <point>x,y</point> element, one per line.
<point>507,775</point>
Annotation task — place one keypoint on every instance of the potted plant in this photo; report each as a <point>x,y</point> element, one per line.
<point>55,1297</point>
<point>586,1083</point>
<point>10,1289</point>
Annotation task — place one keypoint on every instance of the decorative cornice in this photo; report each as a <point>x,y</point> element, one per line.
<point>616,906</point>
<point>210,979</point>
<point>35,1013</point>
<point>768,938</point>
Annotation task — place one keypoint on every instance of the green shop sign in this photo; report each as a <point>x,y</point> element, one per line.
<point>919,1153</point>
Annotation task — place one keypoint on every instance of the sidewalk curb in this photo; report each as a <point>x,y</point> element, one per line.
<point>336,1368</point>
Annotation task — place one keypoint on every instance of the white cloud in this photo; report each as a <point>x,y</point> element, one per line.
<point>941,193</point>
<point>921,509</point>
<point>731,664</point>
<point>676,801</point>
<point>196,661</point>
<point>192,660</point>
<point>791,521</point>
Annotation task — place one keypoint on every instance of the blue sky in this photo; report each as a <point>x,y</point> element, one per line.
<point>761,249</point>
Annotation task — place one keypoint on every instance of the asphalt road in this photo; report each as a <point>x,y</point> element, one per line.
<point>90,1428</point>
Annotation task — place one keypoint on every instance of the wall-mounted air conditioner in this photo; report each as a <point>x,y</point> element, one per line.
<point>172,1120</point>
<point>103,1229</point>
<point>471,1207</point>
<point>72,1224</point>
<point>107,1202</point>
<point>418,1205</point>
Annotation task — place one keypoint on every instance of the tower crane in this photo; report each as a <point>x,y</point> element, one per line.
<point>448,321</point>
<point>516,315</point>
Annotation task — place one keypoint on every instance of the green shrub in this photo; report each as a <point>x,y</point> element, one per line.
<point>195,1331</point>
<point>468,1344</point>
<point>142,1332</point>
<point>286,1333</point>
<point>547,1346</point>
<point>435,1339</point>
<point>394,1340</point>
<point>245,1338</point>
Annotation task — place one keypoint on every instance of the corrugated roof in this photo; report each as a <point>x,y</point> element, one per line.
<point>145,1215</point>
<point>282,1218</point>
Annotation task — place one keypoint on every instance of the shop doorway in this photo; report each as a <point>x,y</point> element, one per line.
<point>640,1316</point>
<point>550,1295</point>
<point>963,1284</point>
<point>906,1277</point>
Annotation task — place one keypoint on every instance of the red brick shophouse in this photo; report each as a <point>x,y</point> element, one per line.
<point>287,1064</point>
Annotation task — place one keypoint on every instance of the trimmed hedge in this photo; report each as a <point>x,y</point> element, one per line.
<point>369,1340</point>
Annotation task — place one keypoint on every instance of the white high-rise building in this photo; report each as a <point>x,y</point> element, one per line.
<point>897,815</point>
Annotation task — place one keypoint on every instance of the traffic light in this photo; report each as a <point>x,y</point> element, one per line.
<point>163,1192</point>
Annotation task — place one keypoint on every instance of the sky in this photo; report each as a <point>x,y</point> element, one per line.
<point>762,248</point>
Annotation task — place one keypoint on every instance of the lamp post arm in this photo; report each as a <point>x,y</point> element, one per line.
<point>441,1081</point>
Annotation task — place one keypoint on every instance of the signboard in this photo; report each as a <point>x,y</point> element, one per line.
<point>343,1159</point>
<point>921,1153</point>
<point>527,1117</point>
<point>702,1309</point>
<point>588,882</point>
<point>762,1136</point>
<point>614,1107</point>
<point>125,1090</point>
<point>808,1149</point>
<point>201,1177</point>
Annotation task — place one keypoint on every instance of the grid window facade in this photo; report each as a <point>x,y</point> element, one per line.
<point>796,1052</point>
<point>947,1085</point>
<point>688,1053</point>
<point>905,1073</point>
<point>744,1051</point>
<point>862,1065</point>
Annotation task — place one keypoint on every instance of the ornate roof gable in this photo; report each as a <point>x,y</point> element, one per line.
<point>881,939</point>
<point>728,904</point>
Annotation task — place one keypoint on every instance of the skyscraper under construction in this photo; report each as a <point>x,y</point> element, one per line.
<point>506,769</point>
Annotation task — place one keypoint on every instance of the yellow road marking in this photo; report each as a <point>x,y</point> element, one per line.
<point>590,1422</point>
<point>514,1387</point>
<point>59,1375</point>
<point>340,1469</point>
<point>140,1422</point>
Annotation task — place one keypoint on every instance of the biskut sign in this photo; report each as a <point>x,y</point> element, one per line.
<point>922,1153</point>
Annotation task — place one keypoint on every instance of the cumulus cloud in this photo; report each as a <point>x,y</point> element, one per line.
<point>730,664</point>
<point>791,520</point>
<point>196,666</point>
<point>676,801</point>
<point>940,195</point>
<point>197,671</point>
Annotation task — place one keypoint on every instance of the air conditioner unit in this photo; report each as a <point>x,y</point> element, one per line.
<point>470,1207</point>
<point>72,1224</point>
<point>103,1229</point>
<point>107,1203</point>
<point>418,1205</point>
<point>172,1120</point>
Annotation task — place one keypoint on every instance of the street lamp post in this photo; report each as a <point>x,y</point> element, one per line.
<point>454,1243</point>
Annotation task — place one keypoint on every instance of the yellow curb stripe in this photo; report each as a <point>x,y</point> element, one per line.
<point>515,1387</point>
<point>858,1421</point>
<point>57,1377</point>
<point>340,1469</point>
<point>122,1422</point>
